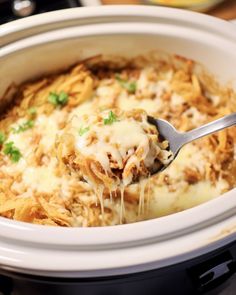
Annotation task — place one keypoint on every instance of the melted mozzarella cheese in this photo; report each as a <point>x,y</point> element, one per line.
<point>42,178</point>
<point>156,88</point>
<point>22,140</point>
<point>129,102</point>
<point>115,139</point>
<point>176,99</point>
<point>48,127</point>
<point>196,117</point>
<point>189,156</point>
<point>39,178</point>
<point>166,202</point>
<point>83,109</point>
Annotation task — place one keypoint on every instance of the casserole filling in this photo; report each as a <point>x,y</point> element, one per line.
<point>115,149</point>
<point>112,149</point>
<point>68,142</point>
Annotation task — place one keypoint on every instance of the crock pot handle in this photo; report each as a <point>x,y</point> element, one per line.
<point>212,273</point>
<point>6,286</point>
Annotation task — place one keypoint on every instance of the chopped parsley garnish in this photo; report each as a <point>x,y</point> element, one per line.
<point>12,151</point>
<point>58,99</point>
<point>53,98</point>
<point>24,126</point>
<point>83,130</point>
<point>2,138</point>
<point>111,119</point>
<point>129,86</point>
<point>32,111</point>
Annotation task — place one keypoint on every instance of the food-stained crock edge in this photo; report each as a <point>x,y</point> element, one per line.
<point>127,235</point>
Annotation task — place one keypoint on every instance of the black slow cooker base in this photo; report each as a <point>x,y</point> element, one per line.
<point>208,274</point>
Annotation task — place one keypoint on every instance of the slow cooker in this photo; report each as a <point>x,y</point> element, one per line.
<point>190,252</point>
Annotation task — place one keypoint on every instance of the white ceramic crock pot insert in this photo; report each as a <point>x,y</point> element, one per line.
<point>43,43</point>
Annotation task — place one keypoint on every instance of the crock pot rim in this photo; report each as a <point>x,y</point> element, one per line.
<point>113,12</point>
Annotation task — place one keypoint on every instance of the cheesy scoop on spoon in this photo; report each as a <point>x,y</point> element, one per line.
<point>113,149</point>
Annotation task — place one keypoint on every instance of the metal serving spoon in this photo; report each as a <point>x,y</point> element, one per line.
<point>177,139</point>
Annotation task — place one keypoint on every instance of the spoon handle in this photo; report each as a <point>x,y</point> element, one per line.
<point>209,128</point>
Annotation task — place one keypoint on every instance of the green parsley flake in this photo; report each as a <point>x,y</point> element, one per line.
<point>32,111</point>
<point>52,98</point>
<point>111,119</point>
<point>23,127</point>
<point>63,98</point>
<point>58,99</point>
<point>83,130</point>
<point>12,151</point>
<point>2,138</point>
<point>129,86</point>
